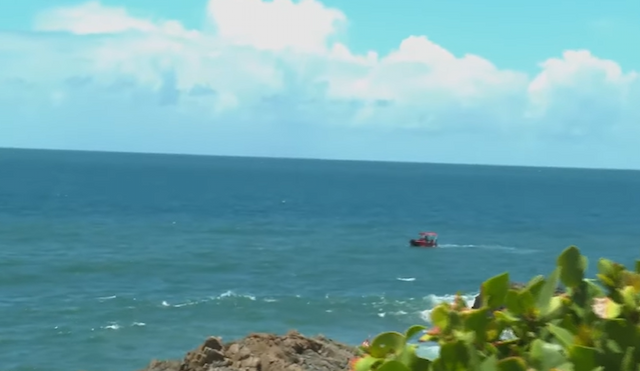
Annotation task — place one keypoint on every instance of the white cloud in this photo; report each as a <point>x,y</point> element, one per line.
<point>276,25</point>
<point>93,18</point>
<point>279,67</point>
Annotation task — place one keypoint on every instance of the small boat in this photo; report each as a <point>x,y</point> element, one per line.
<point>427,239</point>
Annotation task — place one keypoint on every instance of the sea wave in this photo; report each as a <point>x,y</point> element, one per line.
<point>423,305</point>
<point>356,317</point>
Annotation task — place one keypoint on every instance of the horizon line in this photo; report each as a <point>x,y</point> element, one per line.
<point>105,151</point>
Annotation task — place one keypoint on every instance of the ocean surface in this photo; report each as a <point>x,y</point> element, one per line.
<point>109,260</point>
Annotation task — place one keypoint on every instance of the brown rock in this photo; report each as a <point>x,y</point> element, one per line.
<point>213,343</point>
<point>263,352</point>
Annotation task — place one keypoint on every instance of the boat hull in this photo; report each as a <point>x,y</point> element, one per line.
<point>423,243</point>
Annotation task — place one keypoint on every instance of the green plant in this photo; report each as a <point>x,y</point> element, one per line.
<point>595,325</point>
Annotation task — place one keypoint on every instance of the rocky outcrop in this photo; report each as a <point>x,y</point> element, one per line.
<point>263,352</point>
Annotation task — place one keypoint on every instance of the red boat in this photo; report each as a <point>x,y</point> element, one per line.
<point>427,239</point>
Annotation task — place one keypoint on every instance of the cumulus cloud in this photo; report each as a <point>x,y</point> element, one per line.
<point>101,76</point>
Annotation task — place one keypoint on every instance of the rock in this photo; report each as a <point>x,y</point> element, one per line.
<point>263,352</point>
<point>213,343</point>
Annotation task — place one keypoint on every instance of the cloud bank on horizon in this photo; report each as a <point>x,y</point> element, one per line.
<point>274,78</point>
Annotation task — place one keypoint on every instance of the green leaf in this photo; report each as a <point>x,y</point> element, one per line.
<point>547,292</point>
<point>454,355</point>
<point>535,284</point>
<point>413,331</point>
<point>427,337</point>
<point>564,337</point>
<point>608,272</point>
<point>407,355</point>
<point>366,363</point>
<point>612,310</point>
<point>545,355</point>
<point>628,295</point>
<point>421,364</point>
<point>606,280</point>
<point>583,358</point>
<point>637,266</point>
<point>512,302</point>
<point>494,290</point>
<point>627,360</point>
<point>593,288</point>
<point>455,319</point>
<point>605,266</point>
<point>631,279</point>
<point>412,360</point>
<point>440,317</point>
<point>393,365</point>
<point>527,300</point>
<point>387,343</point>
<point>474,357</point>
<point>477,320</point>
<point>619,330</point>
<point>613,346</point>
<point>506,316</point>
<point>567,367</point>
<point>572,266</point>
<point>512,364</point>
<point>465,336</point>
<point>555,308</point>
<point>489,364</point>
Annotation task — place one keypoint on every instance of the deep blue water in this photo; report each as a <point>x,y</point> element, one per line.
<point>109,260</point>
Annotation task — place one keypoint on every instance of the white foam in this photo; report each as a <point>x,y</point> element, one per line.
<point>408,279</point>
<point>510,249</point>
<point>224,296</point>
<point>229,294</point>
<point>186,304</point>
<point>138,324</point>
<point>111,326</point>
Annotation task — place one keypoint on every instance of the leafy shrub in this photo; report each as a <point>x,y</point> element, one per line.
<point>595,325</point>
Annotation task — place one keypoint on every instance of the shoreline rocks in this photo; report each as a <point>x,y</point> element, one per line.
<point>263,352</point>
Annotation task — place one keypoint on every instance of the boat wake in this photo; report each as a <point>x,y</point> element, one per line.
<point>508,249</point>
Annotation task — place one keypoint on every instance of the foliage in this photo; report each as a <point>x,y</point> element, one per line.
<point>595,325</point>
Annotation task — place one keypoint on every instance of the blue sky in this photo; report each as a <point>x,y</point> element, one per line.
<point>495,82</point>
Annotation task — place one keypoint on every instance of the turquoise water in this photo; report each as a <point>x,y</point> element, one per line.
<point>110,260</point>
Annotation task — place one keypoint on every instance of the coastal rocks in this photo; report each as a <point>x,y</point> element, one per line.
<point>263,352</point>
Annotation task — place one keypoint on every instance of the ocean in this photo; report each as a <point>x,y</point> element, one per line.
<point>108,260</point>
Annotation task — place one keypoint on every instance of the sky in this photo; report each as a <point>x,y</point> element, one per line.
<point>544,83</point>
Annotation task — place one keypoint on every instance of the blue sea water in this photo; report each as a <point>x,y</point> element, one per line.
<point>109,260</point>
